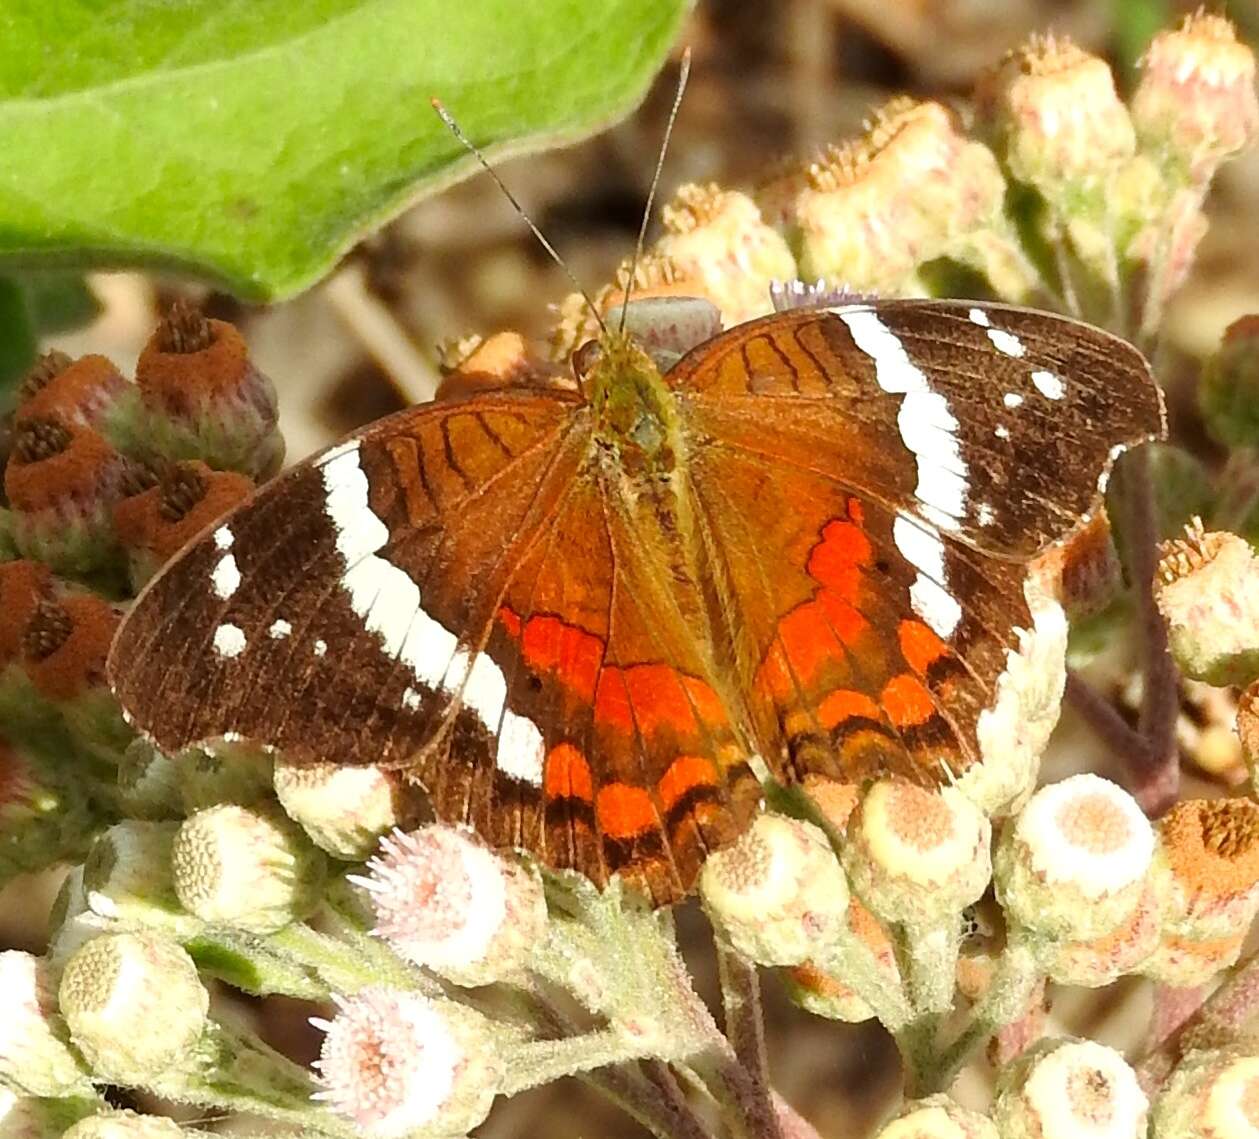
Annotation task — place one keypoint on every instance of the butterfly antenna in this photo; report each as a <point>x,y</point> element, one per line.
<point>683,74</point>
<point>473,149</point>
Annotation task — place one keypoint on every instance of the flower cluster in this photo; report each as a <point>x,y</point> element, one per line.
<point>450,973</point>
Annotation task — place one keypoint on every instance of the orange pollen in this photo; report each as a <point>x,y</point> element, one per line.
<point>623,811</point>
<point>1211,845</point>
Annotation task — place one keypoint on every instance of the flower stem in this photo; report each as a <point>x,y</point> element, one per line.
<point>745,1027</point>
<point>1220,1019</point>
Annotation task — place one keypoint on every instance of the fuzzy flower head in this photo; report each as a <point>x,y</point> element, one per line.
<point>1015,730</point>
<point>1208,867</point>
<point>1071,1089</point>
<point>394,1062</point>
<point>937,1117</point>
<point>775,891</point>
<point>1195,105</point>
<point>824,993</point>
<point>914,855</point>
<point>34,1054</point>
<point>1212,1094</point>
<point>1208,592</point>
<point>446,901</point>
<point>1101,961</point>
<point>1058,119</point>
<point>868,212</point>
<point>717,239</point>
<point>1074,863</point>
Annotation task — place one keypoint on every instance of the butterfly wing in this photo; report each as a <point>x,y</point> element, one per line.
<point>872,483</point>
<point>448,593</point>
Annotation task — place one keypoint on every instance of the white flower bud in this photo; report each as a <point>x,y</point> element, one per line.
<point>916,856</point>
<point>345,810</point>
<point>127,874</point>
<point>1066,1089</point>
<point>246,867</point>
<point>1212,1094</point>
<point>125,1125</point>
<point>937,1117</point>
<point>777,893</point>
<point>1074,864</point>
<point>34,1046</point>
<point>134,1005</point>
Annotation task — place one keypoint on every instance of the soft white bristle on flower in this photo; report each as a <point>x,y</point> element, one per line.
<point>393,1062</point>
<point>445,901</point>
<point>1071,1089</point>
<point>1075,862</point>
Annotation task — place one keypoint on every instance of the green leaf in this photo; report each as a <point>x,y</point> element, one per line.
<point>253,141</point>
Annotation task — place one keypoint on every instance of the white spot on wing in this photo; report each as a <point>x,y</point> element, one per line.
<point>379,592</point>
<point>223,538</point>
<point>279,628</point>
<point>1049,385</point>
<point>929,594</point>
<point>411,699</point>
<point>979,317</point>
<point>985,514</point>
<point>927,426</point>
<point>485,690</point>
<point>1012,399</point>
<point>321,647</point>
<point>226,577</point>
<point>1001,431</point>
<point>229,640</point>
<point>1006,342</point>
<point>520,749</point>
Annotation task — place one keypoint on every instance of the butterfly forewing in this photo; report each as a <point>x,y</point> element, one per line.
<point>989,422</point>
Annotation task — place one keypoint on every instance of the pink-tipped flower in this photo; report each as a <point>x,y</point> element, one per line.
<point>396,1062</point>
<point>1208,592</point>
<point>778,893</point>
<point>1212,1094</point>
<point>445,901</point>
<point>1067,1089</point>
<point>1195,105</point>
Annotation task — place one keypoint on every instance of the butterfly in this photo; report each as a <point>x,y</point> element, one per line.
<point>587,617</point>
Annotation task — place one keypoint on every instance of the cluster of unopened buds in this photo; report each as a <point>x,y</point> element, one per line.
<point>451,974</point>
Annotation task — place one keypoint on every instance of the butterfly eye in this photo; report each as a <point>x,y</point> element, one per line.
<point>585,358</point>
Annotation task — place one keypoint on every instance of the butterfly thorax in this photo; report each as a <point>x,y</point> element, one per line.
<point>636,427</point>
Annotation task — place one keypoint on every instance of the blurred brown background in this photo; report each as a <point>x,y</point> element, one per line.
<point>768,80</point>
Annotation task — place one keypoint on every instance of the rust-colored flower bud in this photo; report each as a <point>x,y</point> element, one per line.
<point>24,585</point>
<point>1195,105</point>
<point>202,398</point>
<point>65,643</point>
<point>62,480</point>
<point>70,391</point>
<point>158,522</point>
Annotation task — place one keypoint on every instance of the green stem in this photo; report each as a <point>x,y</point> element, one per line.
<point>1006,999</point>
